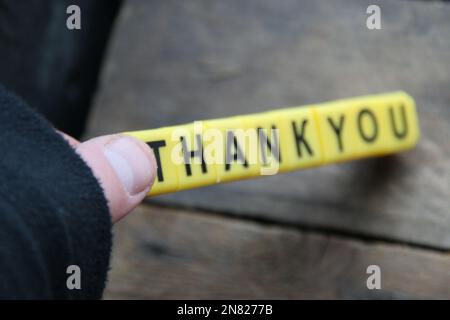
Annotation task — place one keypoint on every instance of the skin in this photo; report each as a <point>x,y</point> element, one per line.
<point>124,166</point>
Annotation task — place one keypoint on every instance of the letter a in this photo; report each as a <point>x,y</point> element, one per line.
<point>374,20</point>
<point>374,280</point>
<point>74,20</point>
<point>74,280</point>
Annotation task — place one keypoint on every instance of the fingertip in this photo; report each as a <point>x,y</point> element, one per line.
<point>125,168</point>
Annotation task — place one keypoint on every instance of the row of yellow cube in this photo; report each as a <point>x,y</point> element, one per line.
<point>240,147</point>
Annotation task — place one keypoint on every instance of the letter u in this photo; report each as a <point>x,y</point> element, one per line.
<point>394,124</point>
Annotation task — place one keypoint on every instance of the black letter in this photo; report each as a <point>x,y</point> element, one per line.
<point>375,125</point>
<point>299,139</point>
<point>399,135</point>
<point>238,154</point>
<point>155,145</point>
<point>192,154</point>
<point>264,141</point>
<point>338,130</point>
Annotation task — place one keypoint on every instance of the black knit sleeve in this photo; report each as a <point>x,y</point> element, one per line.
<point>53,213</point>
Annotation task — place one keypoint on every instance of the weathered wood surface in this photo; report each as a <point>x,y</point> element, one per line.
<point>165,253</point>
<point>172,62</point>
<point>176,61</point>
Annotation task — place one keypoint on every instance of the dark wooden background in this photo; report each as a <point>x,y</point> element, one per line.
<point>308,234</point>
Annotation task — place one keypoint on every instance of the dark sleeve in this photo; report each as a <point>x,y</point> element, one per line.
<point>53,213</point>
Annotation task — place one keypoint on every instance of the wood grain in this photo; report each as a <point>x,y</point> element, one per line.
<point>164,253</point>
<point>172,62</point>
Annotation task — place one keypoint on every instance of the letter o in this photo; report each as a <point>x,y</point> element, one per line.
<point>366,113</point>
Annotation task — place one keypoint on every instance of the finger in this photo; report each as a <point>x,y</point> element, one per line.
<point>125,168</point>
<point>72,141</point>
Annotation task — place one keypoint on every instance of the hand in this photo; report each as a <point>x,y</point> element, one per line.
<point>124,166</point>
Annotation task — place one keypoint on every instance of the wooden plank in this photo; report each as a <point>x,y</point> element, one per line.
<point>166,253</point>
<point>172,62</point>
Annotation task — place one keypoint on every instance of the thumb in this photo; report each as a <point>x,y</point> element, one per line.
<point>125,168</point>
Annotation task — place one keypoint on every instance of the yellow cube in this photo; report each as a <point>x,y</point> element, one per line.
<point>268,145</point>
<point>399,120</point>
<point>299,136</point>
<point>230,145</point>
<point>193,171</point>
<point>160,141</point>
